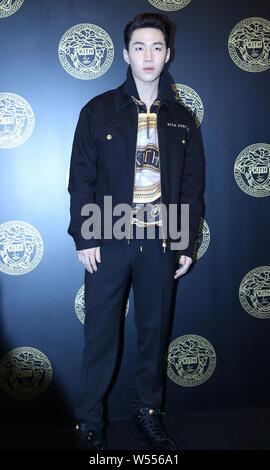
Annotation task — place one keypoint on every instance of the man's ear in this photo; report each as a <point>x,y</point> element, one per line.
<point>126,56</point>
<point>168,55</point>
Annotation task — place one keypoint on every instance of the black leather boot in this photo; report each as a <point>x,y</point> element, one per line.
<point>89,439</point>
<point>147,430</point>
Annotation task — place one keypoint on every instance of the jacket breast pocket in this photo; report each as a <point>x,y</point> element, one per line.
<point>178,137</point>
<point>178,143</point>
<point>112,146</point>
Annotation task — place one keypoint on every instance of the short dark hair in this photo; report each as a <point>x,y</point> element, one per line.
<point>148,20</point>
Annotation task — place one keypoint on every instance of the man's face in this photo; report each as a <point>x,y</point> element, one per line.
<point>147,53</point>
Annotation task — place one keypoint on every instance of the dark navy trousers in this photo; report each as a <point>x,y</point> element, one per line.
<point>151,271</point>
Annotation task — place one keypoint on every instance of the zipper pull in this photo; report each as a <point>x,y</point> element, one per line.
<point>164,244</point>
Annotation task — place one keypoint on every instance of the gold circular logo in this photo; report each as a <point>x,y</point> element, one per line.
<point>80,305</point>
<point>17,120</point>
<point>202,241</point>
<point>169,5</point>
<point>191,100</point>
<point>249,44</point>
<point>252,170</point>
<point>21,247</point>
<point>25,373</point>
<point>254,292</point>
<point>191,360</point>
<point>9,7</point>
<point>86,51</point>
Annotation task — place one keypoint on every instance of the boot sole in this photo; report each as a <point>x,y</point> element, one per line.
<point>139,439</point>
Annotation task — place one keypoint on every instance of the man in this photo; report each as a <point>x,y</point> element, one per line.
<point>139,146</point>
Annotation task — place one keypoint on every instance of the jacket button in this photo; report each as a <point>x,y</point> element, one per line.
<point>183,141</point>
<point>109,136</point>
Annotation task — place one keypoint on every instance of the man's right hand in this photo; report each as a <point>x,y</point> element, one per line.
<point>89,257</point>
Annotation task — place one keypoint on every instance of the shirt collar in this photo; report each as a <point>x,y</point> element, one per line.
<point>129,89</point>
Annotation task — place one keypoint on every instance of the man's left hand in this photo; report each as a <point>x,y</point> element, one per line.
<point>185,262</point>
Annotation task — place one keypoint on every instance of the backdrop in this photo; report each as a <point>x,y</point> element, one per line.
<point>56,56</point>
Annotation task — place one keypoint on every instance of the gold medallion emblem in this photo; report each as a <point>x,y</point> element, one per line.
<point>86,51</point>
<point>252,170</point>
<point>254,292</point>
<point>202,241</point>
<point>17,120</point>
<point>25,373</point>
<point>191,100</point>
<point>9,7</point>
<point>191,360</point>
<point>21,247</point>
<point>169,5</point>
<point>249,44</point>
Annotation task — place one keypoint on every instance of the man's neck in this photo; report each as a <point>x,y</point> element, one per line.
<point>148,91</point>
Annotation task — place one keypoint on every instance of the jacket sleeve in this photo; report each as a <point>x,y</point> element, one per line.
<point>82,178</point>
<point>192,187</point>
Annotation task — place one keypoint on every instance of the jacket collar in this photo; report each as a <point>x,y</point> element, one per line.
<point>129,89</point>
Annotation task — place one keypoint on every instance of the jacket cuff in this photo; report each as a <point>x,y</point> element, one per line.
<point>85,244</point>
<point>187,252</point>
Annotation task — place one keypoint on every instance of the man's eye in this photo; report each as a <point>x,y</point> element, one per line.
<point>158,48</point>
<point>139,48</point>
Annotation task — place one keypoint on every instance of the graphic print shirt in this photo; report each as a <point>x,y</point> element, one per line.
<point>147,187</point>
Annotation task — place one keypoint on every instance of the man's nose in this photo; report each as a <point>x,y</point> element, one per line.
<point>148,55</point>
